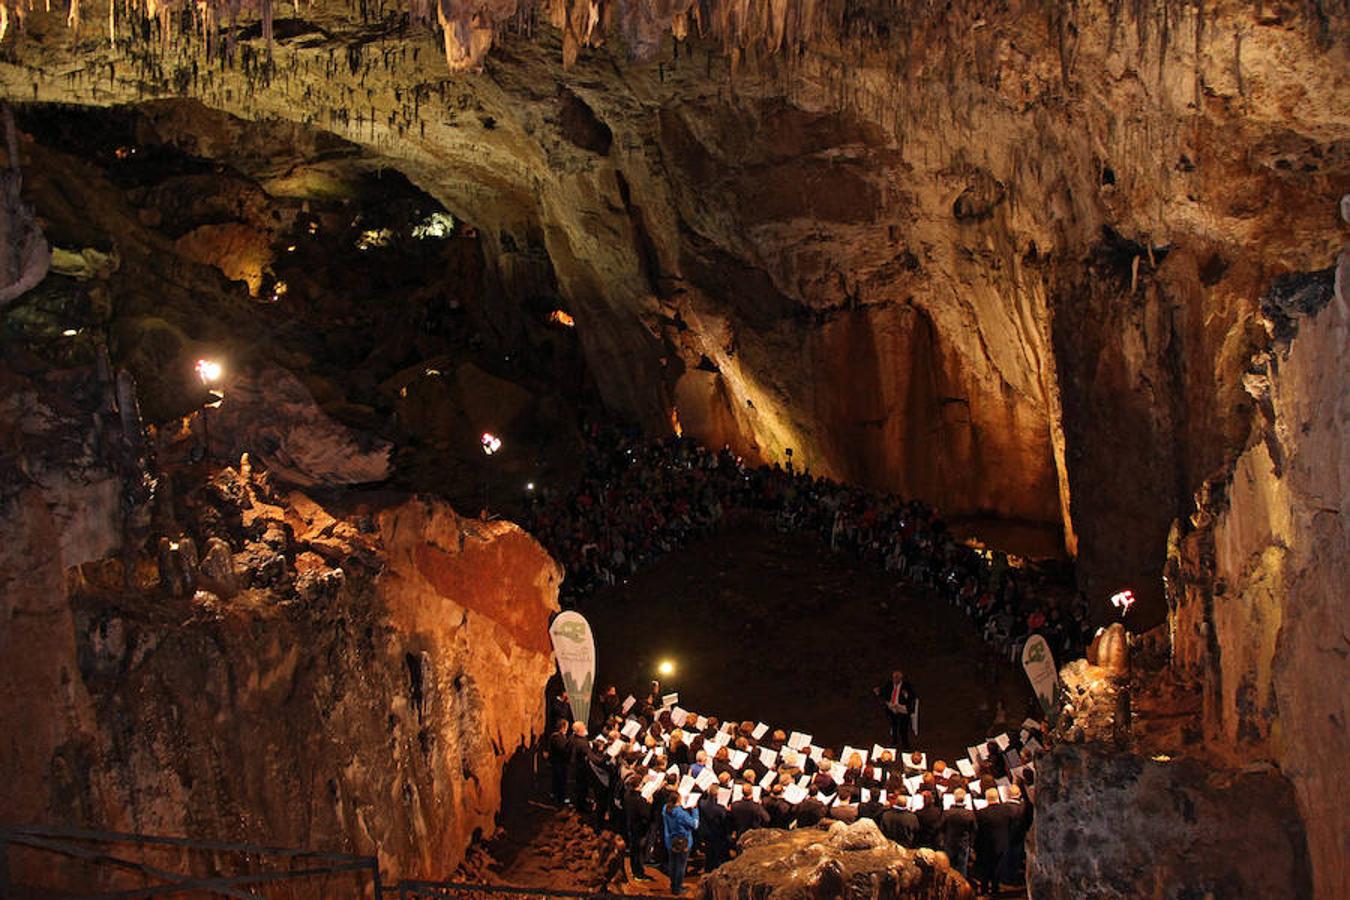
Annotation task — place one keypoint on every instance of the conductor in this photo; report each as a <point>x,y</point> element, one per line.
<point>901,703</point>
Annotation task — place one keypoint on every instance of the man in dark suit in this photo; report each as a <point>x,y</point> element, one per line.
<point>872,807</point>
<point>958,831</point>
<point>746,813</point>
<point>900,700</point>
<point>993,836</point>
<point>656,835</point>
<point>714,831</point>
<point>609,704</point>
<point>559,759</point>
<point>559,709</point>
<point>600,770</point>
<point>578,763</point>
<point>930,820</point>
<point>898,823</point>
<point>779,810</point>
<point>1012,869</point>
<point>637,815</point>
<point>810,811</point>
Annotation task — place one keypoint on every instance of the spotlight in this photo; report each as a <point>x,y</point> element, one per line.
<point>1123,601</point>
<point>491,443</point>
<point>70,332</point>
<point>529,485</point>
<point>209,371</point>
<point>666,668</point>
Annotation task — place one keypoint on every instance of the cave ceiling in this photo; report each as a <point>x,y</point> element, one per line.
<point>956,250</point>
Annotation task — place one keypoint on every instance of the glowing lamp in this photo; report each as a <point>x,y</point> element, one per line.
<point>209,371</point>
<point>666,668</point>
<point>1123,601</point>
<point>70,332</point>
<point>529,485</point>
<point>491,443</point>
<point>562,318</point>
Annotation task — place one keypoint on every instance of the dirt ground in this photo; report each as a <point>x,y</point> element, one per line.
<point>776,628</point>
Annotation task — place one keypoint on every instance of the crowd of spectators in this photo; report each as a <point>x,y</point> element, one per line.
<point>638,500</point>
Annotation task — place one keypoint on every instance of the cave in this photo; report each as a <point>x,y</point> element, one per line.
<point>345,350</point>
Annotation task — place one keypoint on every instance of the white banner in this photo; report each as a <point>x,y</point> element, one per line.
<point>1040,668</point>
<point>574,649</point>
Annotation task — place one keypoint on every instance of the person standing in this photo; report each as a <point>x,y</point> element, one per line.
<point>680,825</point>
<point>559,759</point>
<point>560,709</point>
<point>578,764</point>
<point>898,823</point>
<point>747,813</point>
<point>714,832</point>
<point>637,814</point>
<point>958,831</point>
<point>993,834</point>
<point>900,701</point>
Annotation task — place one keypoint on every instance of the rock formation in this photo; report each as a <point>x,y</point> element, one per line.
<point>272,415</point>
<point>1256,583</point>
<point>352,679</point>
<point>839,861</point>
<point>1118,826</point>
<point>1016,260</point>
<point>24,255</point>
<point>1257,574</point>
<point>955,201</point>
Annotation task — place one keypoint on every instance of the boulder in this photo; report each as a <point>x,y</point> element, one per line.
<point>272,416</point>
<point>834,860</point>
<point>1114,825</point>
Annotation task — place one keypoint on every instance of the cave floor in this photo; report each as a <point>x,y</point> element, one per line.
<point>776,628</point>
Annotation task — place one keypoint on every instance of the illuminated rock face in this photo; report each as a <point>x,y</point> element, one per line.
<point>1005,260</point>
<point>360,689</point>
<point>1009,260</point>
<point>1259,576</point>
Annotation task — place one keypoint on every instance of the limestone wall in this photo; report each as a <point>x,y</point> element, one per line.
<point>1259,577</point>
<point>345,680</point>
<point>1113,825</point>
<point>767,211</point>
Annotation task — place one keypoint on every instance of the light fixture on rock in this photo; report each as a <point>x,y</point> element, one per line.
<point>1122,601</point>
<point>210,372</point>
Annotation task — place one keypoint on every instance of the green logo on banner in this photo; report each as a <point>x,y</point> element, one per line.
<point>573,630</point>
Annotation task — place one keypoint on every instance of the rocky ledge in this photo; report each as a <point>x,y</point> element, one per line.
<point>839,861</point>
<point>227,658</point>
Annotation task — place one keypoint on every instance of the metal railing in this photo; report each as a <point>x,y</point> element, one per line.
<point>95,848</point>
<point>462,890</point>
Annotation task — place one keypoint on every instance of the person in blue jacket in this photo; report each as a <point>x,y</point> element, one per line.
<point>680,825</point>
